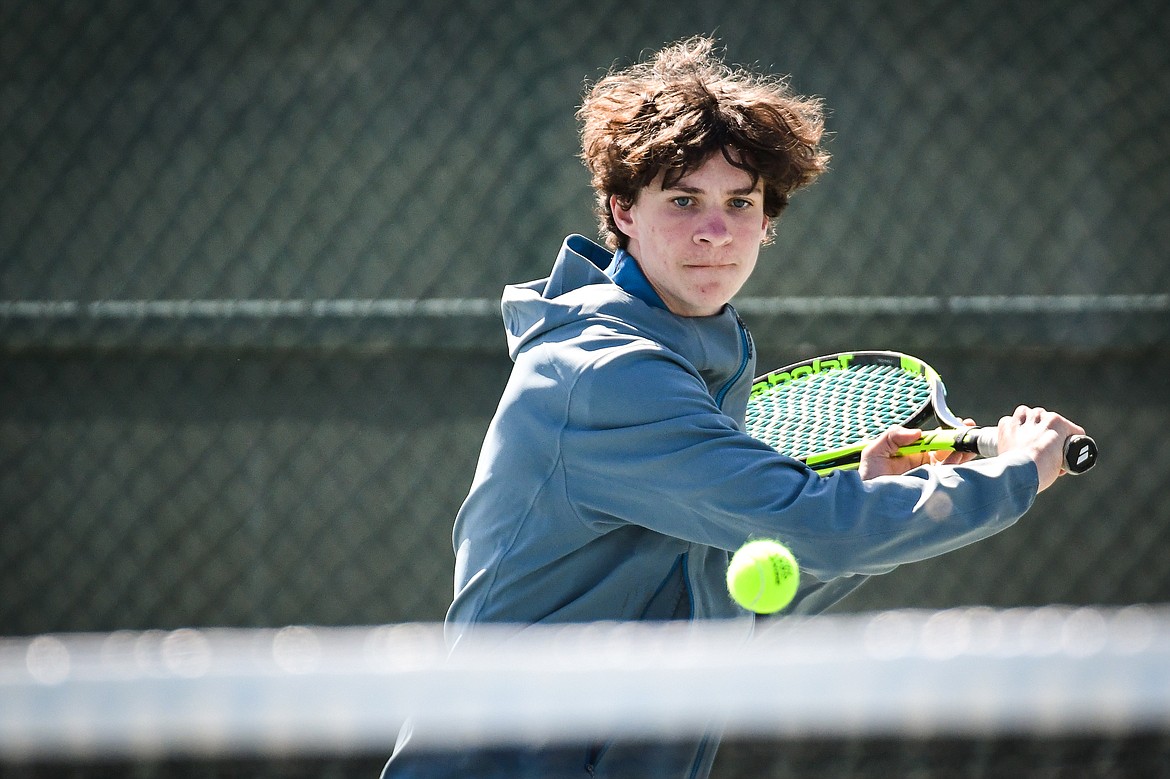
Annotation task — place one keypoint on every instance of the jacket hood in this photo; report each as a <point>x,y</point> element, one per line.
<point>588,285</point>
<point>536,307</point>
<point>581,286</point>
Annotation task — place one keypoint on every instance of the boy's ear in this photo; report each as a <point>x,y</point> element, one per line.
<point>622,217</point>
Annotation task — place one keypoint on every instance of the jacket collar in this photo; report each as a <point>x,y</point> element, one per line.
<point>627,274</point>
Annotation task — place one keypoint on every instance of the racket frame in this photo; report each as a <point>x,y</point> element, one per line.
<point>1080,451</point>
<point>934,408</point>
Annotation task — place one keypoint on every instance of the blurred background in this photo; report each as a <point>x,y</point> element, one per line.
<point>251,256</point>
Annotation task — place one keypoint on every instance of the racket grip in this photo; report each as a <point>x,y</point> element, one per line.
<point>1080,451</point>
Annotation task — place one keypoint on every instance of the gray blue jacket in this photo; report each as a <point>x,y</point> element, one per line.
<point>616,477</point>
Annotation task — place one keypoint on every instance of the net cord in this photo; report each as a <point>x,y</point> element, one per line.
<point>310,690</point>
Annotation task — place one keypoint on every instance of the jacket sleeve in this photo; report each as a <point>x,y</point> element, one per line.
<point>646,444</point>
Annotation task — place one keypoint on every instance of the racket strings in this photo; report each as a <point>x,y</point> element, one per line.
<point>835,408</point>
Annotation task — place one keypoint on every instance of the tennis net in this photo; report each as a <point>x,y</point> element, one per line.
<point>300,692</point>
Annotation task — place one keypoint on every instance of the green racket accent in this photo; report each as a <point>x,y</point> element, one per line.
<point>824,411</point>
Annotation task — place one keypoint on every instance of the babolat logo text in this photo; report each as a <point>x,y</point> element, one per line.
<point>819,365</point>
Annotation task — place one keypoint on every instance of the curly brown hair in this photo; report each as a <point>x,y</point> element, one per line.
<point>672,113</point>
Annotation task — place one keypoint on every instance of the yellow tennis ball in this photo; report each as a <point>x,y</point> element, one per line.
<point>763,576</point>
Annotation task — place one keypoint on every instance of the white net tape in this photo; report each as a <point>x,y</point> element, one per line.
<point>302,690</point>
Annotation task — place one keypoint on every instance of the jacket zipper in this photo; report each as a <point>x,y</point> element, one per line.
<point>745,347</point>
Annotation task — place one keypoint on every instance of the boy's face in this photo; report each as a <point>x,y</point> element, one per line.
<point>698,240</point>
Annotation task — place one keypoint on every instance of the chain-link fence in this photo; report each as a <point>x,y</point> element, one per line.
<point>250,258</point>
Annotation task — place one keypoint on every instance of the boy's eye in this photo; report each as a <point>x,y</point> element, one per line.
<point>682,201</point>
<point>740,203</point>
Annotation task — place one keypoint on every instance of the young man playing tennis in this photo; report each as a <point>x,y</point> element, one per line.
<point>616,477</point>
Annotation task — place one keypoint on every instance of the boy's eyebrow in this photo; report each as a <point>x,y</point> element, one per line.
<point>748,190</point>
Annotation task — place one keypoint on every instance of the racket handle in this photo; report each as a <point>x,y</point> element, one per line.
<point>1080,451</point>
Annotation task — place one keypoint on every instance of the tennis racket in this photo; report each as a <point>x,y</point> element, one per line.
<point>824,411</point>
